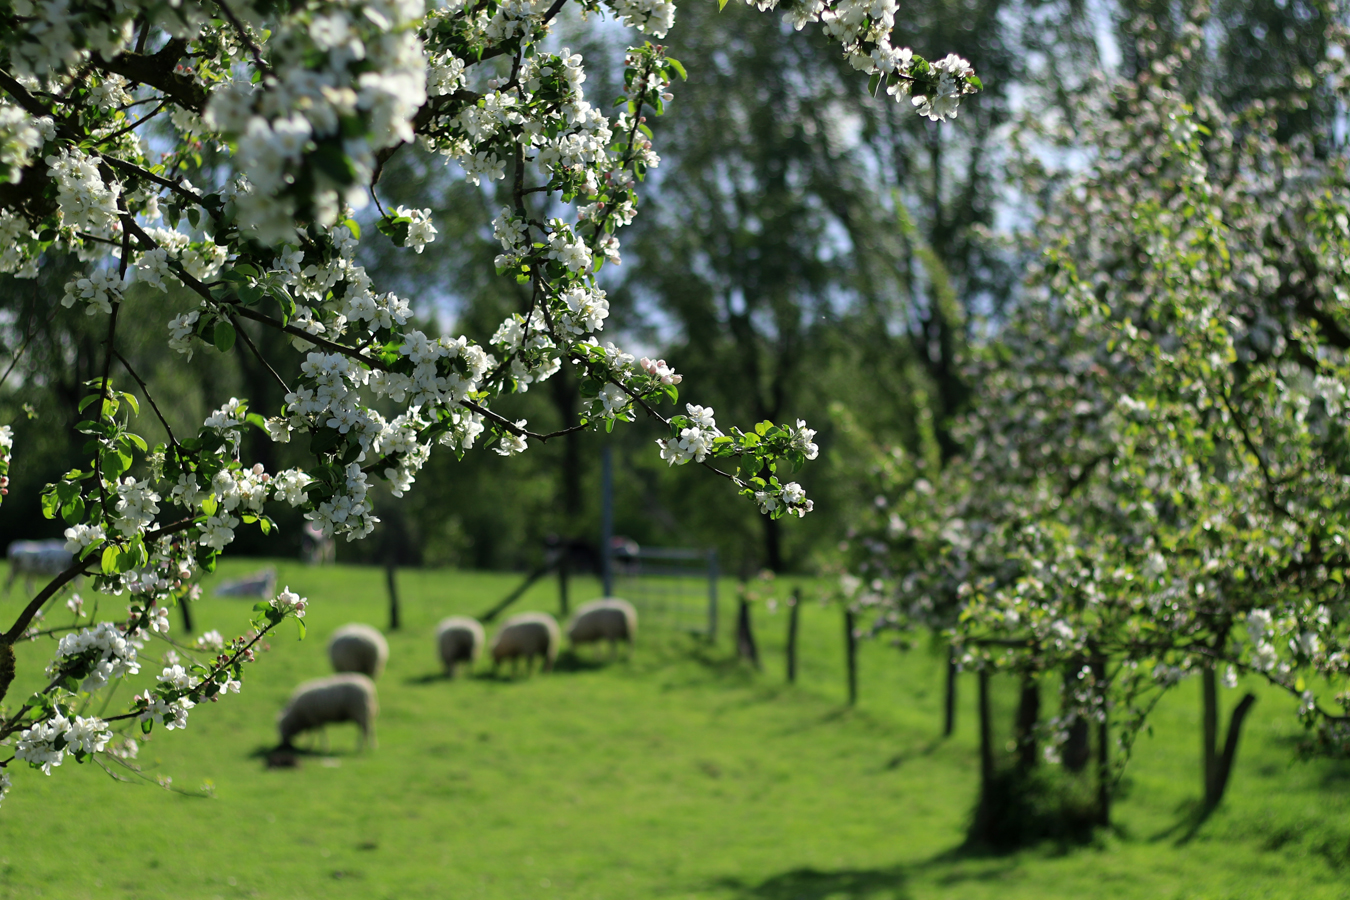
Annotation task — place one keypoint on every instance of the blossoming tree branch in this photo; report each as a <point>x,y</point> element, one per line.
<point>103,110</point>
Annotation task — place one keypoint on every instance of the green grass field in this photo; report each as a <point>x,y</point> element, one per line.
<point>677,774</point>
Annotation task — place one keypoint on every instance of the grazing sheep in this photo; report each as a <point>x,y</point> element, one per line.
<point>459,639</point>
<point>608,619</point>
<point>338,698</point>
<point>528,635</point>
<point>29,558</point>
<point>358,648</point>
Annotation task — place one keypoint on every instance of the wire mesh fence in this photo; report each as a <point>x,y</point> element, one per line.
<point>672,588</point>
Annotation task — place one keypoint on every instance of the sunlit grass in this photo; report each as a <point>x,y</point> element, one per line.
<point>678,773</point>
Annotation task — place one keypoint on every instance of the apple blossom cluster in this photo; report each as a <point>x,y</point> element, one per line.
<point>299,107</point>
<point>46,744</point>
<point>863,28</point>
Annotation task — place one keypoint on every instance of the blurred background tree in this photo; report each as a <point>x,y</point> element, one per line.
<point>808,251</point>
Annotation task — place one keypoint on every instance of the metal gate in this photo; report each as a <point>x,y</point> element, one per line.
<point>672,588</point>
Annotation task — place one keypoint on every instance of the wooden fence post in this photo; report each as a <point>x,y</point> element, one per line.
<point>187,614</point>
<point>794,607</point>
<point>562,580</point>
<point>745,636</point>
<point>389,577</point>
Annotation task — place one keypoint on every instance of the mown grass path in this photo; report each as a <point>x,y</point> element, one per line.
<point>676,774</point>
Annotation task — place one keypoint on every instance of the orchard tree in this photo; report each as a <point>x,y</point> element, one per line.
<point>1156,477</point>
<point>223,151</point>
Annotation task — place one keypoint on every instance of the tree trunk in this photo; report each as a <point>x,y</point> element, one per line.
<point>745,637</point>
<point>1223,765</point>
<point>794,613</point>
<point>851,649</point>
<point>949,718</point>
<point>1028,714</point>
<point>389,573</point>
<point>986,737</point>
<point>1209,734</point>
<point>1077,749</point>
<point>1103,751</point>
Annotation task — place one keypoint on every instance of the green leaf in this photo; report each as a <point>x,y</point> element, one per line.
<point>114,464</point>
<point>678,67</point>
<point>300,626</point>
<point>396,229</point>
<point>73,511</point>
<point>873,84</point>
<point>109,560</point>
<point>325,440</point>
<point>50,503</point>
<point>224,335</point>
<point>353,228</point>
<point>210,504</point>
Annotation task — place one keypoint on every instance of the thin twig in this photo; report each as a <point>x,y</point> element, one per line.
<point>149,399</point>
<point>19,354</point>
<point>134,125</point>
<point>137,171</point>
<point>103,398</point>
<point>239,329</point>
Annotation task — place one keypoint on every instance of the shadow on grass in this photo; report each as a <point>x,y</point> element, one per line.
<point>961,864</point>
<point>1306,835</point>
<point>570,661</point>
<point>279,756</point>
<point>886,883</point>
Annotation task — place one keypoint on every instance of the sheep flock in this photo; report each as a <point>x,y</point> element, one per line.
<point>359,653</point>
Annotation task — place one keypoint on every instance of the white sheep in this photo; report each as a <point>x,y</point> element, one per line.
<point>529,635</point>
<point>29,558</point>
<point>608,619</point>
<point>459,639</point>
<point>349,697</point>
<point>358,648</point>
